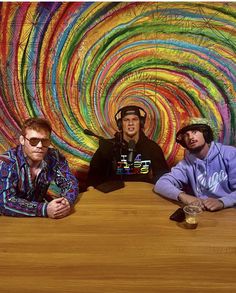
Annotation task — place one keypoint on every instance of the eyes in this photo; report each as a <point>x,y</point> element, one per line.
<point>34,141</point>
<point>127,120</point>
<point>189,133</point>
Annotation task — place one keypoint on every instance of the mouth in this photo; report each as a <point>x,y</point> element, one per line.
<point>192,143</point>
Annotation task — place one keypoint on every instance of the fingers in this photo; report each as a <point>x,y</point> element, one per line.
<point>199,202</point>
<point>59,200</point>
<point>63,203</point>
<point>58,208</point>
<point>61,214</point>
<point>63,209</point>
<point>212,204</point>
<point>210,207</point>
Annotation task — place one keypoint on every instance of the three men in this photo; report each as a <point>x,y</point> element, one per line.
<point>27,170</point>
<point>130,156</point>
<point>209,169</point>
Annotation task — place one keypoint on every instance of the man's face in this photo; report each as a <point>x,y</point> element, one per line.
<point>38,152</point>
<point>194,140</point>
<point>131,125</point>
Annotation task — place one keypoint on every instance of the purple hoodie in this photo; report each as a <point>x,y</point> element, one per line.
<point>214,176</point>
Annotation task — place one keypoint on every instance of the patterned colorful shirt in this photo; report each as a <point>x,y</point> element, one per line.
<point>19,196</point>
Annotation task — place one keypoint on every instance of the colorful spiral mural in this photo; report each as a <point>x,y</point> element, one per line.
<point>78,63</point>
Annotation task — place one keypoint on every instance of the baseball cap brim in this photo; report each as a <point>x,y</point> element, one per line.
<point>129,111</point>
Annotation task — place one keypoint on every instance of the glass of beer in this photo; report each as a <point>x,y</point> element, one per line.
<point>191,216</point>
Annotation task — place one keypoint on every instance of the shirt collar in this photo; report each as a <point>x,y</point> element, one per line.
<point>22,158</point>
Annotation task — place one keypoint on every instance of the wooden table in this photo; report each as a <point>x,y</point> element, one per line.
<point>119,242</point>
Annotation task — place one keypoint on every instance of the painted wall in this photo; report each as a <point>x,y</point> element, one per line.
<point>77,63</point>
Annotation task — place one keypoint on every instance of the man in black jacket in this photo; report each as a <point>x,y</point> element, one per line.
<point>130,155</point>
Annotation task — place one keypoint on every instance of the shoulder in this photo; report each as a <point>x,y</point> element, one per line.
<point>144,140</point>
<point>106,145</point>
<point>154,147</point>
<point>226,151</point>
<point>184,164</point>
<point>109,141</point>
<point>226,147</point>
<point>8,162</point>
<point>54,155</point>
<point>223,148</point>
<point>9,157</point>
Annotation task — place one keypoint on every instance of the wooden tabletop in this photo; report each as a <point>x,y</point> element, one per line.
<point>119,242</point>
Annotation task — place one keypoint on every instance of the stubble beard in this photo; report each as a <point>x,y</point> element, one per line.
<point>197,149</point>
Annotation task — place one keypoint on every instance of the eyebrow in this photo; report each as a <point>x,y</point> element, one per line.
<point>37,137</point>
<point>191,131</point>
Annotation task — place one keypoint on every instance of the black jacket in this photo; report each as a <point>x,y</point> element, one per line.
<point>110,162</point>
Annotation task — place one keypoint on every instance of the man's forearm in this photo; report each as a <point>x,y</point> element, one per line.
<point>18,207</point>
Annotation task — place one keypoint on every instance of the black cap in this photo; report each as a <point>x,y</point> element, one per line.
<point>130,110</point>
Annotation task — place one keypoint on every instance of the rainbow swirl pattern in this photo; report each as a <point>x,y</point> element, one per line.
<point>78,63</point>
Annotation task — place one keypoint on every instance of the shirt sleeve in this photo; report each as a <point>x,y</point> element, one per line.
<point>11,203</point>
<point>65,180</point>
<point>159,164</point>
<point>230,160</point>
<point>171,184</point>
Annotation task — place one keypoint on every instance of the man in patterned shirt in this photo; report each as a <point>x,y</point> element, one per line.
<point>26,172</point>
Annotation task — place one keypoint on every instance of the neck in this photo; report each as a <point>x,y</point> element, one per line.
<point>128,138</point>
<point>202,151</point>
<point>33,164</point>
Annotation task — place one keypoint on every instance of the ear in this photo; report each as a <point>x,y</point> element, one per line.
<point>22,140</point>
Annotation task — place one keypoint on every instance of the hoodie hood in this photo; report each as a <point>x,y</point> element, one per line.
<point>208,173</point>
<point>214,150</point>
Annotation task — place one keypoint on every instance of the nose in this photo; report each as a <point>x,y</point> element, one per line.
<point>190,135</point>
<point>130,122</point>
<point>40,145</point>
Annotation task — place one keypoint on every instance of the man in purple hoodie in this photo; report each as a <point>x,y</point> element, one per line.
<point>208,169</point>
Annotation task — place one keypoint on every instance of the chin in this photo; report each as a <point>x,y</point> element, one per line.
<point>196,149</point>
<point>131,134</point>
<point>37,158</point>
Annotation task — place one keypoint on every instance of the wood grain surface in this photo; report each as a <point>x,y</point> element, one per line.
<point>119,242</point>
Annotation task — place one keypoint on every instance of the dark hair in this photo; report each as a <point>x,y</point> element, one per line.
<point>204,128</point>
<point>36,124</point>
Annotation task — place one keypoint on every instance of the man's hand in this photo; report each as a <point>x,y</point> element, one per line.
<point>213,204</point>
<point>190,199</point>
<point>209,204</point>
<point>58,208</point>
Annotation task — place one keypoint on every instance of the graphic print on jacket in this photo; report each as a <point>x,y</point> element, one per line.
<point>211,172</point>
<point>137,167</point>
<point>212,182</point>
